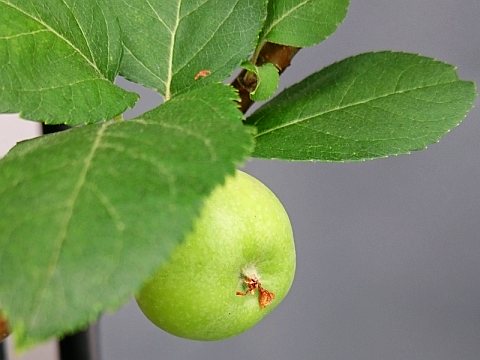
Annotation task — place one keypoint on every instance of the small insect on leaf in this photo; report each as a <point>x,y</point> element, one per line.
<point>202,73</point>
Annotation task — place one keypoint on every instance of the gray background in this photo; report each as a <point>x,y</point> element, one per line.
<point>388,250</point>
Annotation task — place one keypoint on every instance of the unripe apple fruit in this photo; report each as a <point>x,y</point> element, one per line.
<point>231,271</point>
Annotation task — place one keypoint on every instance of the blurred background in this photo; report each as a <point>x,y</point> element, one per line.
<point>388,250</point>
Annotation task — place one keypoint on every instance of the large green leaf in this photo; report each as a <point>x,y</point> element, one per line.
<point>58,59</point>
<point>167,43</point>
<point>302,23</point>
<point>87,214</point>
<point>367,106</point>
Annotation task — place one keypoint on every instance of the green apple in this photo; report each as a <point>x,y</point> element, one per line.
<point>231,271</point>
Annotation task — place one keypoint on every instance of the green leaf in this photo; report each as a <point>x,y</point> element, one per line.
<point>58,60</point>
<point>266,78</point>
<point>167,43</point>
<point>89,213</point>
<point>302,23</point>
<point>364,107</point>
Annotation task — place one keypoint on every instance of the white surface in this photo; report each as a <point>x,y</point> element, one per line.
<point>13,130</point>
<point>47,351</point>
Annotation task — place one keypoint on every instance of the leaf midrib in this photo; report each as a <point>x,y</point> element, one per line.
<point>62,233</point>
<point>296,121</point>
<point>49,28</point>
<point>170,55</point>
<point>274,23</point>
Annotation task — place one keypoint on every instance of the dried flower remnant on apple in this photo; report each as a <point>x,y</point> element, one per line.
<point>265,297</point>
<point>4,331</point>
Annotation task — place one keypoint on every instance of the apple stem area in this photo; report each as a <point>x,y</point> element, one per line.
<point>265,298</point>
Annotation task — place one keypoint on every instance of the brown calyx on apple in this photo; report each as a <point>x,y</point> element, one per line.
<point>265,298</point>
<point>4,331</point>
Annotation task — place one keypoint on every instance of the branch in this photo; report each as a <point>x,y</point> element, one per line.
<point>279,55</point>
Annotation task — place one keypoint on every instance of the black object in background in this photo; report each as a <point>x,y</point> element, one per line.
<point>80,346</point>
<point>3,351</point>
<point>49,129</point>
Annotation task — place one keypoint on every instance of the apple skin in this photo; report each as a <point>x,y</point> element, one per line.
<point>243,232</point>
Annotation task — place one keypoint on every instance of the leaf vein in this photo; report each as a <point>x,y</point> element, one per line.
<point>205,141</point>
<point>164,82</point>
<point>49,28</point>
<point>187,61</point>
<point>81,30</point>
<point>150,160</point>
<point>366,101</point>
<point>23,34</point>
<point>274,23</point>
<point>63,231</point>
<point>170,54</point>
<point>107,204</point>
<point>157,15</point>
